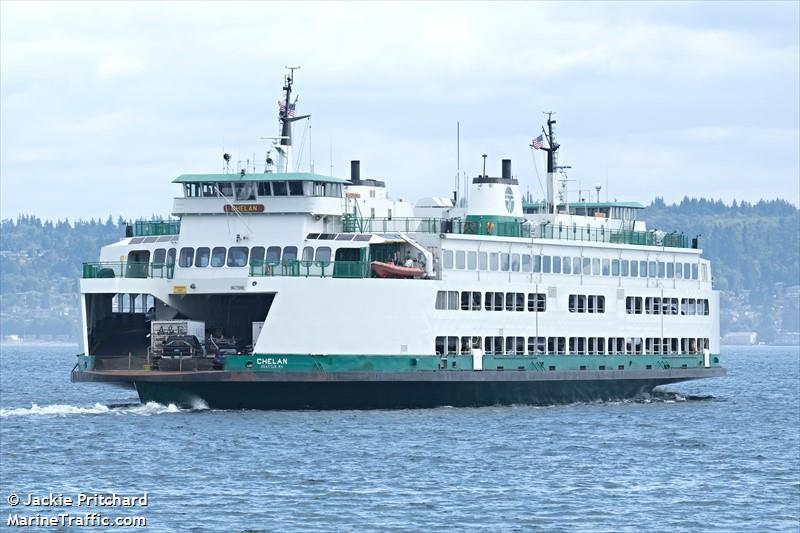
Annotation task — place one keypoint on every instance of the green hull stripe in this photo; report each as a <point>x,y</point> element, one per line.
<point>401,363</point>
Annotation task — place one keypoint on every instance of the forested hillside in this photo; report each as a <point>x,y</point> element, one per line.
<point>754,249</point>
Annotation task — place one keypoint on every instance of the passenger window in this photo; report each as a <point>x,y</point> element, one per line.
<point>576,265</point>
<point>596,266</point>
<point>642,269</point>
<point>296,188</point>
<point>460,259</point>
<point>256,254</point>
<point>237,256</point>
<point>308,253</point>
<point>546,262</point>
<point>624,271</point>
<point>606,267</point>
<point>452,300</point>
<point>483,260</point>
<point>472,260</point>
<point>662,269</point>
<point>290,252</point>
<point>567,262</point>
<point>509,301</point>
<point>323,254</point>
<point>505,263</point>
<point>186,257</point>
<point>448,259</point>
<point>274,254</point>
<point>202,257</point>
<point>670,270</point>
<point>171,256</point>
<point>537,263</point>
<point>615,267</point>
<point>694,271</point>
<point>441,300</point>
<point>159,255</point>
<point>494,263</point>
<point>587,266</point>
<point>556,264</point>
<point>515,262</point>
<point>634,269</point>
<point>526,263</point>
<point>218,256</point>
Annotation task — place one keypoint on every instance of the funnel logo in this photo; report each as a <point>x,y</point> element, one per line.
<point>509,200</point>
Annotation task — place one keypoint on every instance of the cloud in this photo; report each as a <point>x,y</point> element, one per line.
<point>119,98</point>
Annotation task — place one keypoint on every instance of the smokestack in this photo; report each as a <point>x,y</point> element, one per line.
<point>506,169</point>
<point>355,171</point>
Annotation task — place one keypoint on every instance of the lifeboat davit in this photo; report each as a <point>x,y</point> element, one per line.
<point>390,270</point>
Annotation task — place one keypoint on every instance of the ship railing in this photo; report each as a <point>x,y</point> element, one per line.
<point>310,269</point>
<point>127,269</point>
<point>493,227</point>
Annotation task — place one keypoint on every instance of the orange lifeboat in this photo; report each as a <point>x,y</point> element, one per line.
<point>390,270</point>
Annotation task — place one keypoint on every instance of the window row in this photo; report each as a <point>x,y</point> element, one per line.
<point>666,306</point>
<point>583,303</point>
<point>492,301</point>
<point>237,256</point>
<point>587,266</point>
<point>250,190</point>
<point>466,345</point>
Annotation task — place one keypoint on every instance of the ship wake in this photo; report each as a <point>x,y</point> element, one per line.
<point>135,409</point>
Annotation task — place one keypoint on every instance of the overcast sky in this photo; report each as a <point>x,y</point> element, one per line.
<point>104,104</point>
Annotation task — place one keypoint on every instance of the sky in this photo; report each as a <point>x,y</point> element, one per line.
<point>103,104</point>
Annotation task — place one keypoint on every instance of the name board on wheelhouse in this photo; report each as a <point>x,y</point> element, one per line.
<point>244,208</point>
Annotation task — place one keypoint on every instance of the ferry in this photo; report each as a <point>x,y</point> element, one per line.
<point>281,289</point>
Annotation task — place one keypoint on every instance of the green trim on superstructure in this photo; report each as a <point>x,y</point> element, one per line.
<point>500,226</point>
<point>631,205</point>
<point>400,363</point>
<point>267,176</point>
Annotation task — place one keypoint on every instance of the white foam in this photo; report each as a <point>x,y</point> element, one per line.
<point>56,409</point>
<point>150,408</point>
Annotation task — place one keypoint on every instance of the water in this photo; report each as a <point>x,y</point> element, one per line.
<point>673,463</point>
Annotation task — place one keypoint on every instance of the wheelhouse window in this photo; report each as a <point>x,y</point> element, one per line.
<point>186,257</point>
<point>202,257</point>
<point>218,256</point>
<point>225,189</point>
<point>237,256</point>
<point>264,189</point>
<point>279,188</point>
<point>295,188</point>
<point>245,191</point>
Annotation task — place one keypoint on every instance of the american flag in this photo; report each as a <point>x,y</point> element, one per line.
<point>282,106</point>
<point>538,142</point>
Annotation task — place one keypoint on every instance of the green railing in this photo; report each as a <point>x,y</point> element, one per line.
<point>488,226</point>
<point>127,269</point>
<point>150,228</point>
<point>311,269</point>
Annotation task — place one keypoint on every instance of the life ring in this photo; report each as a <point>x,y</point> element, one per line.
<point>489,228</point>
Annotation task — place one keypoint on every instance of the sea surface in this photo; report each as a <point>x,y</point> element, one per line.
<point>711,455</point>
